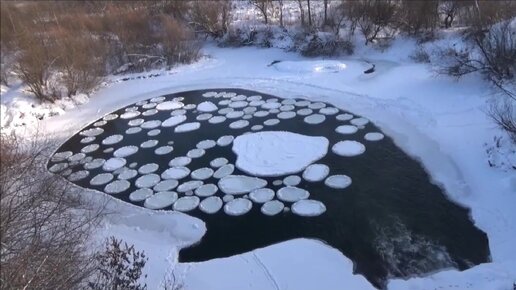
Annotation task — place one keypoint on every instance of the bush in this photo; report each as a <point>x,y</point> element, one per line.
<point>44,228</point>
<point>210,17</point>
<point>420,55</point>
<point>504,115</point>
<point>325,44</point>
<point>119,267</point>
<point>375,18</point>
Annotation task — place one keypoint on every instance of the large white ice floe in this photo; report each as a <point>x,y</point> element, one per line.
<point>240,184</point>
<point>160,200</point>
<point>186,203</point>
<point>125,151</point>
<point>238,206</point>
<point>211,204</point>
<point>316,172</point>
<point>187,127</point>
<point>272,207</point>
<point>338,181</point>
<point>292,194</point>
<point>308,207</point>
<point>207,106</point>
<point>173,121</point>
<point>169,105</point>
<point>348,148</point>
<point>274,153</point>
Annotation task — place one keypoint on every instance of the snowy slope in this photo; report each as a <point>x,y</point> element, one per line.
<point>434,119</point>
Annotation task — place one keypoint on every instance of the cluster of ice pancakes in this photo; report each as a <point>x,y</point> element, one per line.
<point>261,152</point>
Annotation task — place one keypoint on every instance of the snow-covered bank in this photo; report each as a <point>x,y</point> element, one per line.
<point>434,119</point>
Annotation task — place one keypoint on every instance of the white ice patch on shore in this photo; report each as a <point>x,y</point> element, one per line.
<point>274,153</point>
<point>187,127</point>
<point>238,206</point>
<point>316,172</point>
<point>308,207</point>
<point>348,148</point>
<point>240,184</point>
<point>206,107</point>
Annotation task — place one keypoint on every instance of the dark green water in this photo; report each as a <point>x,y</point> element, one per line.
<point>391,221</point>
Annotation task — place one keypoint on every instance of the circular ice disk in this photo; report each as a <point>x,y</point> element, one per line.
<point>292,180</point>
<point>206,144</point>
<point>292,194</point>
<point>130,115</point>
<point>128,174</point>
<point>114,163</point>
<point>234,114</point>
<point>186,203</point>
<point>224,171</point>
<point>348,148</point>
<point>178,172</point>
<point>211,205</point>
<point>286,115</point>
<point>140,194</point>
<point>189,185</point>
<point>110,117</point>
<point>344,117</point>
<point>150,112</point>
<point>117,186</point>
<point>169,105</point>
<point>218,162</point>
<point>216,119</point>
<point>271,105</point>
<point>261,114</point>
<point>195,153</point>
<point>187,127</point>
<point>304,112</point>
<point>78,175</point>
<point>271,122</point>
<point>173,121</point>
<point>113,139</point>
<point>239,124</point>
<point>261,195</point>
<point>329,111</point>
<point>316,172</point>
<point>317,105</point>
<point>228,197</point>
<point>154,132</point>
<point>148,168</point>
<point>160,200</point>
<point>240,184</point>
<point>180,161</point>
<point>95,163</point>
<point>374,136</point>
<point>238,206</point>
<point>76,157</point>
<point>92,132</point>
<point>178,112</point>
<point>90,148</point>
<point>61,156</point>
<point>314,119</point>
<point>151,124</point>
<point>163,150</point>
<point>149,143</point>
<point>125,151</point>
<point>148,180</point>
<point>203,117</point>
<point>165,185</point>
<point>256,127</point>
<point>202,173</point>
<point>359,121</point>
<point>238,104</point>
<point>101,179</point>
<point>225,140</point>
<point>207,106</point>
<point>206,190</point>
<point>272,207</point>
<point>308,208</point>
<point>338,181</point>
<point>87,140</point>
<point>133,130</point>
<point>135,122</point>
<point>346,129</point>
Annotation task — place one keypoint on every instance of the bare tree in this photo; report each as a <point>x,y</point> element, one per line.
<point>449,10</point>
<point>263,6</point>
<point>375,16</point>
<point>210,17</point>
<point>301,11</point>
<point>309,14</point>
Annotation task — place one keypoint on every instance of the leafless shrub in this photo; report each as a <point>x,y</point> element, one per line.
<point>503,113</point>
<point>119,267</point>
<point>416,17</point>
<point>327,44</point>
<point>376,17</point>
<point>44,226</point>
<point>210,17</point>
<point>420,55</point>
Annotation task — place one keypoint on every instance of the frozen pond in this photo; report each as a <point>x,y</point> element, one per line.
<point>259,169</point>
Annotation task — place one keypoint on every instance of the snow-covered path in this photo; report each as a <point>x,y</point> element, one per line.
<point>434,119</point>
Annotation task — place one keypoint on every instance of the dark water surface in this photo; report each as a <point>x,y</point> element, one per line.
<point>391,222</point>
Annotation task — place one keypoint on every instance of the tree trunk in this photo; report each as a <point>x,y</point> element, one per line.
<point>281,12</point>
<point>300,2</point>
<point>325,12</point>
<point>309,14</point>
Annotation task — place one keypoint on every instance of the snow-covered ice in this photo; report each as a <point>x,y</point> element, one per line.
<point>125,151</point>
<point>225,140</point>
<point>113,139</point>
<point>195,153</point>
<point>149,143</point>
<point>359,121</point>
<point>117,186</point>
<point>165,185</point>
<point>140,194</point>
<point>180,161</point>
<point>163,150</point>
<point>202,173</point>
<point>173,121</point>
<point>148,168</point>
<point>273,153</point>
<point>224,171</point>
<point>292,180</point>
<point>218,162</point>
<point>101,179</point>
<point>206,190</point>
<point>189,185</point>
<point>114,163</point>
<point>346,129</point>
<point>169,105</point>
<point>315,119</point>
<point>206,144</point>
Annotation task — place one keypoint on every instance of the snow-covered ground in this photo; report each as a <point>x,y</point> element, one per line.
<point>436,120</point>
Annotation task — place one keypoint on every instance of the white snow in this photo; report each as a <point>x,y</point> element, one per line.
<point>211,204</point>
<point>186,203</point>
<point>224,171</point>
<point>177,172</point>
<point>240,184</point>
<point>373,136</point>
<point>238,206</point>
<point>173,121</point>
<point>187,127</point>
<point>348,148</point>
<point>160,200</point>
<point>308,207</point>
<point>346,129</point>
<point>316,105</point>
<point>261,195</point>
<point>292,194</point>
<point>272,207</point>
<point>87,140</point>
<point>316,172</point>
<point>273,153</point>
<point>207,106</point>
<point>338,181</point>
